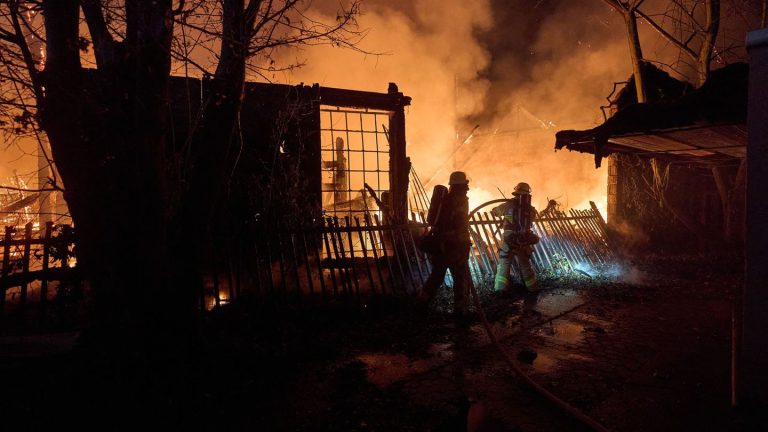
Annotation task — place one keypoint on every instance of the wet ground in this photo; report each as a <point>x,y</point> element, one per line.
<point>645,348</point>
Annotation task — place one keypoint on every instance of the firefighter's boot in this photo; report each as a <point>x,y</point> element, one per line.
<point>527,273</point>
<point>501,282</point>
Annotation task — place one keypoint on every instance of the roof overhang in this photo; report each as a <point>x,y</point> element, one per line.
<point>699,143</point>
<point>707,125</point>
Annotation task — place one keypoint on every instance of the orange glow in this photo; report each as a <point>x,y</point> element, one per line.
<point>439,61</point>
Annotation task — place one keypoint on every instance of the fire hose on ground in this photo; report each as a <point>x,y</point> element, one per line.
<point>570,410</point>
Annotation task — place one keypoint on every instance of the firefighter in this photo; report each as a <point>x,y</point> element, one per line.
<point>518,238</point>
<point>451,230</point>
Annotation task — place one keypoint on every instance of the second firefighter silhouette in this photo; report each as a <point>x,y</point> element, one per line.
<point>518,238</point>
<point>448,242</point>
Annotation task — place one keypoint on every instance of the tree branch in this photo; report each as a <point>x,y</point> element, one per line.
<point>180,8</point>
<point>617,5</point>
<point>103,44</point>
<point>29,60</point>
<point>666,35</point>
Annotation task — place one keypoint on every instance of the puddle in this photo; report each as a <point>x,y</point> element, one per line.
<point>551,304</point>
<point>563,331</point>
<point>547,361</point>
<point>385,369</point>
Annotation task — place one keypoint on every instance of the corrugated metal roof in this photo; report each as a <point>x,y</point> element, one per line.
<point>697,141</point>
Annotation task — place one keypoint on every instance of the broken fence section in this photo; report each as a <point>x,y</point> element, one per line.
<point>345,257</point>
<point>349,257</point>
<point>353,257</point>
<point>569,241</point>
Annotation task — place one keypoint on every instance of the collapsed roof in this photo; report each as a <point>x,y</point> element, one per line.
<point>704,125</point>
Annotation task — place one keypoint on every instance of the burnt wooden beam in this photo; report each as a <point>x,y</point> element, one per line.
<point>399,163</point>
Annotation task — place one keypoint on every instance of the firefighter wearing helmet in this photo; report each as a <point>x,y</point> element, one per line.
<point>518,241</point>
<point>449,242</point>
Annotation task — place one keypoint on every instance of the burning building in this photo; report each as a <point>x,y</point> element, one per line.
<point>309,156</point>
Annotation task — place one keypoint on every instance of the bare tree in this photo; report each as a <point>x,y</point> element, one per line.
<point>697,23</point>
<point>693,29</point>
<point>102,97</point>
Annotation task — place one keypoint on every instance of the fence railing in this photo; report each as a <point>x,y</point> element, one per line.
<point>568,241</point>
<point>31,259</point>
<point>349,256</point>
<point>355,256</point>
<point>343,257</point>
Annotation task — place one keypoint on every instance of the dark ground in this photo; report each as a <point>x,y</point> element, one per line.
<point>651,352</point>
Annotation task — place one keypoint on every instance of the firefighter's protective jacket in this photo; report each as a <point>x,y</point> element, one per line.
<point>518,242</point>
<point>518,216</point>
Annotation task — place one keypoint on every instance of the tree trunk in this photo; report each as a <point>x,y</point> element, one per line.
<point>712,8</point>
<point>732,201</point>
<point>635,53</point>
<point>107,131</point>
<point>214,148</point>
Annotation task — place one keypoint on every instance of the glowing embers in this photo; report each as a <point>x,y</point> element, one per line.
<point>354,161</point>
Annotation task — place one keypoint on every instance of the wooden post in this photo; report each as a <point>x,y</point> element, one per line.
<point>25,262</point>
<point>399,163</point>
<point>46,257</point>
<point>327,227</point>
<point>6,270</point>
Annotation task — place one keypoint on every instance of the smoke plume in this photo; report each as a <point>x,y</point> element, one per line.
<point>521,70</point>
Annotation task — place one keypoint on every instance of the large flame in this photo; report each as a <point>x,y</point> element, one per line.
<point>435,56</point>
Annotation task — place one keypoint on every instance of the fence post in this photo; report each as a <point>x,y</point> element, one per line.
<point>6,265</point>
<point>25,262</point>
<point>46,257</point>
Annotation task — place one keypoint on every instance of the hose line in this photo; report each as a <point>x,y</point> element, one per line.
<point>575,413</point>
